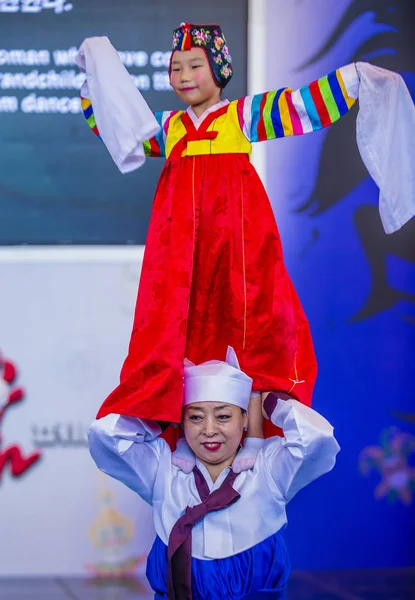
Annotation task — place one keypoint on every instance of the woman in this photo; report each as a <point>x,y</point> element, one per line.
<point>218,531</point>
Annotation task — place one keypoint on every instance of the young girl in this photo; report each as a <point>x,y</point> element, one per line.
<point>218,532</point>
<point>213,272</point>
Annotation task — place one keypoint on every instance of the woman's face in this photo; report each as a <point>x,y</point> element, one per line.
<point>213,431</point>
<point>192,79</point>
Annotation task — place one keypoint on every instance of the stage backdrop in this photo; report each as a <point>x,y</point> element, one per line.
<point>58,184</point>
<point>358,288</point>
<point>65,317</point>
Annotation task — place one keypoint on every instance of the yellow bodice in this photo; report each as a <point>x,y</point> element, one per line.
<point>230,138</point>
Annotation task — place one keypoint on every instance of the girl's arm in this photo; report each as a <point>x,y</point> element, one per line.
<point>127,449</point>
<point>307,450</point>
<point>153,147</point>
<point>113,106</point>
<point>286,112</point>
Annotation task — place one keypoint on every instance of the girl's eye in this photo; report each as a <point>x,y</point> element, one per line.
<point>175,70</point>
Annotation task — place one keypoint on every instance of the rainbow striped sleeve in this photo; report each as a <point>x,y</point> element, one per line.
<point>89,114</point>
<point>156,146</point>
<point>312,107</point>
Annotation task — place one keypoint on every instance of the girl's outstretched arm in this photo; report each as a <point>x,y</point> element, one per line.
<point>286,112</point>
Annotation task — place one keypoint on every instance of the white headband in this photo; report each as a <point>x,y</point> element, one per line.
<point>217,381</point>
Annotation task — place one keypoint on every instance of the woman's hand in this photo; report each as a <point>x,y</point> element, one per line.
<point>270,400</point>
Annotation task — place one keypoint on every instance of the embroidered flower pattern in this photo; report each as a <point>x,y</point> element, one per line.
<point>226,54</point>
<point>393,461</point>
<point>218,59</point>
<point>176,39</point>
<point>201,37</point>
<point>226,71</point>
<point>219,42</point>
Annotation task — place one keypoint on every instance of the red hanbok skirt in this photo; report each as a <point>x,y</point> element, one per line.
<point>213,276</point>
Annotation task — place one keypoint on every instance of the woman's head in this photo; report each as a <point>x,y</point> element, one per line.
<point>216,398</point>
<point>213,431</point>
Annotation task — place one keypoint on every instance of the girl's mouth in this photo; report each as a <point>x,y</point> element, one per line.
<point>188,89</point>
<point>212,446</point>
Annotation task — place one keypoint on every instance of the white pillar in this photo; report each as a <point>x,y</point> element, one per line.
<point>257,68</point>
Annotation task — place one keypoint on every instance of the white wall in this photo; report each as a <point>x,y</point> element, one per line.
<point>65,321</point>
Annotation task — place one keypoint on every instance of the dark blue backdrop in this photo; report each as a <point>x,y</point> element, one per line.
<point>358,288</point>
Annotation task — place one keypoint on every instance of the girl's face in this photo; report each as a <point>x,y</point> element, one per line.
<point>213,431</point>
<point>192,79</point>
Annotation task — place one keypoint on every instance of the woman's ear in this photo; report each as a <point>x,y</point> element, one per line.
<point>245,421</point>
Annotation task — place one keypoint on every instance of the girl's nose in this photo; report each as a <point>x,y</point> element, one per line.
<point>185,75</point>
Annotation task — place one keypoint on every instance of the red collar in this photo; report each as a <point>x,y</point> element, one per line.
<point>199,134</point>
<point>196,135</point>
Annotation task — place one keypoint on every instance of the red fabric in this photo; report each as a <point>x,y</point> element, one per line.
<point>154,147</point>
<point>213,275</point>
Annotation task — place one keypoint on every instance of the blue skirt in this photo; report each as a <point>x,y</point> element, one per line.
<point>260,573</point>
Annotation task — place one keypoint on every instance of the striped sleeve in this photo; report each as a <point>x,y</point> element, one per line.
<point>286,112</point>
<point>154,147</point>
<point>89,115</point>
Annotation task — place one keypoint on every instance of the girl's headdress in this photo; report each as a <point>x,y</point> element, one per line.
<point>211,39</point>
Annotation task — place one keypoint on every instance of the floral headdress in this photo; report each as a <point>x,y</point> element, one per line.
<point>211,39</point>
